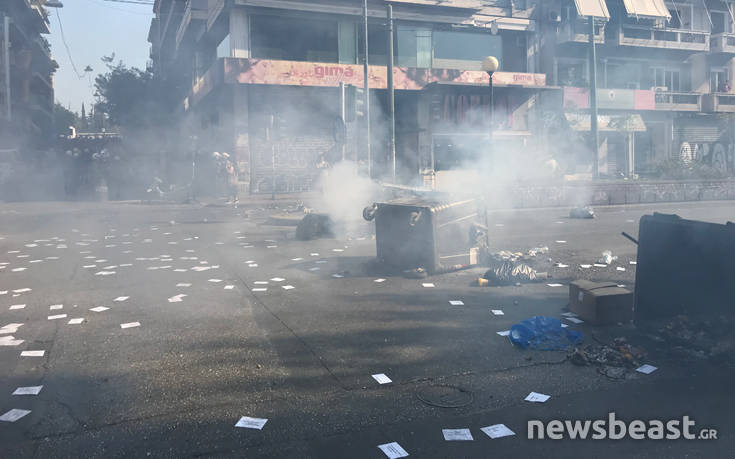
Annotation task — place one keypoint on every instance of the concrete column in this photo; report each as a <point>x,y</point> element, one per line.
<point>731,72</point>
<point>424,126</point>
<point>631,154</point>
<point>241,131</point>
<point>239,33</point>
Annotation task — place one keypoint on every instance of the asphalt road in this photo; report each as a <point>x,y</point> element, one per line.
<point>303,357</point>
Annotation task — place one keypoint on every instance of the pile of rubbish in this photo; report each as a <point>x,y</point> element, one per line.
<point>614,361</point>
<point>508,267</point>
<point>582,212</point>
<point>544,333</point>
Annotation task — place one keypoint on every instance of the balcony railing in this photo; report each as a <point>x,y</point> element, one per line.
<point>722,43</point>
<point>718,103</point>
<point>653,37</point>
<point>195,10</point>
<point>679,101</point>
<point>578,31</point>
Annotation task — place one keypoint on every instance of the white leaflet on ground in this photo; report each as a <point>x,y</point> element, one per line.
<point>28,390</point>
<point>130,325</point>
<point>497,312</point>
<point>32,353</point>
<point>381,378</point>
<point>497,431</point>
<point>428,285</point>
<point>99,309</point>
<point>504,333</point>
<point>393,450</point>
<point>646,369</point>
<point>457,434</point>
<point>251,423</point>
<point>75,321</point>
<point>537,397</point>
<point>456,302</point>
<point>13,415</point>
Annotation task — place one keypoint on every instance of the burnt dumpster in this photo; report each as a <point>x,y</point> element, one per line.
<point>428,233</point>
<point>684,267</point>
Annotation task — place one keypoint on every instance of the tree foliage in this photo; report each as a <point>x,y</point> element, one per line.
<point>132,97</point>
<point>63,118</point>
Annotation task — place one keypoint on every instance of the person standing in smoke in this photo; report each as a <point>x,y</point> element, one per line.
<point>232,182</point>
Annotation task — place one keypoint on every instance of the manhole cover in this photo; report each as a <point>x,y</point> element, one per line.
<point>445,396</point>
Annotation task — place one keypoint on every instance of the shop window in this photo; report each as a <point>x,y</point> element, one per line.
<point>294,39</point>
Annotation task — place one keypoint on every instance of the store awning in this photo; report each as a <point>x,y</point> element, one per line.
<point>596,8</point>
<point>607,123</point>
<point>652,9</point>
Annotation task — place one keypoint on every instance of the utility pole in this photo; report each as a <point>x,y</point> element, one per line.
<point>593,102</point>
<point>391,94</point>
<point>366,86</point>
<point>6,65</point>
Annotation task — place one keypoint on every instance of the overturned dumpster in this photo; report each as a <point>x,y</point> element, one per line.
<point>684,267</point>
<point>429,233</point>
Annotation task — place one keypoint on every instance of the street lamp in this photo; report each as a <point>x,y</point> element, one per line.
<point>490,65</point>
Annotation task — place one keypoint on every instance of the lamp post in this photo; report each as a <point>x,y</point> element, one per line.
<point>490,65</point>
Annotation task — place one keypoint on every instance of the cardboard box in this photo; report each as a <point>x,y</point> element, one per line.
<point>600,302</point>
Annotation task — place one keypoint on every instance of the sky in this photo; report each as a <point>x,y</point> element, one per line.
<point>95,28</point>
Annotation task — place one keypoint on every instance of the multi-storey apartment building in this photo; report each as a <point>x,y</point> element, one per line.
<point>664,71</point>
<point>26,76</point>
<point>260,79</point>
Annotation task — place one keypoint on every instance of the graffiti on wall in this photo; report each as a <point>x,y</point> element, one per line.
<point>719,155</point>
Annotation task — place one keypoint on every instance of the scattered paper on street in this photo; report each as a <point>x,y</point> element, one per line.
<point>30,390</point>
<point>130,325</point>
<point>555,285</point>
<point>260,289</point>
<point>574,320</point>
<point>288,287</point>
<point>497,312</point>
<point>17,306</point>
<point>428,285</point>
<point>76,321</point>
<point>277,279</point>
<point>456,302</point>
<point>54,307</point>
<point>13,415</point>
<point>32,353</point>
<point>504,333</point>
<point>381,378</point>
<point>57,316</point>
<point>251,423</point>
<point>121,298</point>
<point>646,369</point>
<point>393,450</point>
<point>379,280</point>
<point>497,431</point>
<point>537,398</point>
<point>620,268</point>
<point>229,287</point>
<point>99,309</point>
<point>457,434</point>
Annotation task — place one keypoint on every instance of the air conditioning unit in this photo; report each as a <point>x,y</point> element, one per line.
<point>660,89</point>
<point>554,16</point>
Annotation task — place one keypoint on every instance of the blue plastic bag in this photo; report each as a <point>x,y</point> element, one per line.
<point>544,333</point>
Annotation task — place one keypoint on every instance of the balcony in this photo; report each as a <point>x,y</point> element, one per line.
<point>195,11</point>
<point>579,32</point>
<point>722,43</point>
<point>652,37</point>
<point>718,103</point>
<point>215,12</point>
<point>678,101</point>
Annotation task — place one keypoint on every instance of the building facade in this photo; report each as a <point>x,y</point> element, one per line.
<point>261,80</point>
<point>26,76</point>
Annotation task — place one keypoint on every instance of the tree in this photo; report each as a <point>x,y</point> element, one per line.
<point>131,97</point>
<point>64,118</point>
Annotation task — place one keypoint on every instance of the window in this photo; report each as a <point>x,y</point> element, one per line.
<point>413,47</point>
<point>572,72</point>
<point>622,74</point>
<point>719,80</point>
<point>294,39</point>
<point>465,50</point>
<point>378,43</point>
<point>666,79</point>
<point>718,21</point>
<point>347,43</point>
<point>223,49</point>
<point>681,16</point>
